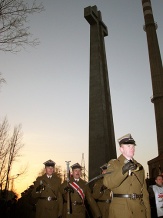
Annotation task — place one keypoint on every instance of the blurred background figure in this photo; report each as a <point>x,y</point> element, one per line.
<point>156,197</point>
<point>102,194</point>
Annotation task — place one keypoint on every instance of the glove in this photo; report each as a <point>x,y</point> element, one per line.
<point>69,189</point>
<point>103,188</point>
<point>129,166</point>
<point>40,188</point>
<point>59,216</point>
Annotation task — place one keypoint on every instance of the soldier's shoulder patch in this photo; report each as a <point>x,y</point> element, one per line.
<point>111,161</point>
<point>39,177</point>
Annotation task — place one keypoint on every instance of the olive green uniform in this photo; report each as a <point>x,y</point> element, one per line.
<point>127,184</point>
<point>78,209</point>
<point>102,196</point>
<point>48,208</point>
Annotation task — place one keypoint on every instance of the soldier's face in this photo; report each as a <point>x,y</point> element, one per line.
<point>127,150</point>
<point>76,173</point>
<point>49,170</point>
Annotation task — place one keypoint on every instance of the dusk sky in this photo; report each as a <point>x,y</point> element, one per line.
<point>47,89</point>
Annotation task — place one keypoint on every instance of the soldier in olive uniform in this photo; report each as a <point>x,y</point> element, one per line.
<point>126,180</point>
<point>47,191</point>
<point>102,194</point>
<point>79,193</point>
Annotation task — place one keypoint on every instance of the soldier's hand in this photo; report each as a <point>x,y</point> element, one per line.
<point>103,188</point>
<point>40,188</point>
<point>129,166</point>
<point>69,189</point>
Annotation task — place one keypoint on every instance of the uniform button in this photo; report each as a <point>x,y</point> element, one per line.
<point>130,184</point>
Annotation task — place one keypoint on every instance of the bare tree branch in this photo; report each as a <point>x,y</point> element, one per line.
<point>15,147</point>
<point>2,80</point>
<point>4,149</point>
<point>14,31</point>
<point>10,147</point>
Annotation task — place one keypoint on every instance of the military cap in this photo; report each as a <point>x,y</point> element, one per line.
<point>49,163</point>
<point>104,166</point>
<point>126,139</point>
<point>76,166</point>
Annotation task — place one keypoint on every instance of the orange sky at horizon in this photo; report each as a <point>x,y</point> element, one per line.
<point>35,167</point>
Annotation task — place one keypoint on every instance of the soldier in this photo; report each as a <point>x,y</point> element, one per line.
<point>126,180</point>
<point>102,194</point>
<point>46,190</point>
<point>79,193</point>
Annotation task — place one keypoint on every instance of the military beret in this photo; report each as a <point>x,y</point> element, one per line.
<point>126,139</point>
<point>76,166</point>
<point>49,163</point>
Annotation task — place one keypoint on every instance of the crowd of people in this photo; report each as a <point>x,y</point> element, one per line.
<point>120,191</point>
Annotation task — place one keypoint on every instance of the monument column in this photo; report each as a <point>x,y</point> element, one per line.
<point>156,70</point>
<point>101,129</point>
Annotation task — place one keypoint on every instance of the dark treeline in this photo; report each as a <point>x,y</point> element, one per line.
<point>11,207</point>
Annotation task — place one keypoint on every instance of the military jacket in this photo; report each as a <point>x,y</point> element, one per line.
<point>78,210</point>
<point>102,196</point>
<point>46,207</point>
<point>127,184</point>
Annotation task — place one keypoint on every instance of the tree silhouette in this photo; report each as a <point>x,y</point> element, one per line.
<point>14,29</point>
<point>10,147</point>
